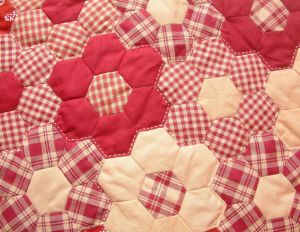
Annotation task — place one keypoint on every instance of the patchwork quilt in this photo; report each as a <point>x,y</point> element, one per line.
<point>149,115</point>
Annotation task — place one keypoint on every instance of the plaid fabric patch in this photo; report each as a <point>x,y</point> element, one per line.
<point>292,169</point>
<point>18,214</point>
<point>98,16</point>
<point>67,39</point>
<point>137,29</point>
<point>81,162</point>
<point>12,130</point>
<point>34,66</point>
<point>9,52</point>
<point>23,5</point>
<point>257,112</point>
<point>227,137</point>
<point>212,58</point>
<point>108,93</point>
<point>242,217</point>
<point>281,224</point>
<point>203,21</point>
<point>235,181</point>
<point>38,104</point>
<point>44,146</point>
<point>270,15</point>
<point>162,194</point>
<point>189,123</point>
<point>174,42</point>
<point>180,83</point>
<point>295,212</point>
<point>249,73</point>
<point>15,174</point>
<point>130,5</point>
<point>88,205</point>
<point>31,27</point>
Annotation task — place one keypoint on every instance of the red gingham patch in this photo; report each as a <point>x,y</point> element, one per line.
<point>67,39</point>
<point>108,93</point>
<point>266,154</point>
<point>88,205</point>
<point>44,146</point>
<point>18,214</point>
<point>295,212</point>
<point>174,42</point>
<point>270,15</point>
<point>180,83</point>
<point>81,162</point>
<point>162,194</point>
<point>138,28</point>
<point>242,217</point>
<point>292,169</point>
<point>130,5</point>
<point>249,73</point>
<point>34,65</point>
<point>212,57</point>
<point>203,21</point>
<point>189,123</point>
<point>281,224</point>
<point>31,27</point>
<point>38,104</point>
<point>235,181</point>
<point>15,174</point>
<point>9,51</point>
<point>227,137</point>
<point>257,112</point>
<point>12,130</point>
<point>25,5</point>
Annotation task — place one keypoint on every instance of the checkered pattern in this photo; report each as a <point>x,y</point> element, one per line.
<point>81,162</point>
<point>98,16</point>
<point>174,42</point>
<point>67,39</point>
<point>9,51</point>
<point>44,146</point>
<point>212,58</point>
<point>130,5</point>
<point>257,112</point>
<point>203,21</point>
<point>108,93</point>
<point>12,130</point>
<point>269,15</point>
<point>15,174</point>
<point>162,194</point>
<point>235,181</point>
<point>249,73</point>
<point>281,224</point>
<point>31,27</point>
<point>88,205</point>
<point>189,123</point>
<point>34,65</point>
<point>266,154</point>
<point>18,214</point>
<point>23,5</point>
<point>138,28</point>
<point>38,104</point>
<point>242,217</point>
<point>295,212</point>
<point>228,137</point>
<point>180,83</point>
<point>292,169</point>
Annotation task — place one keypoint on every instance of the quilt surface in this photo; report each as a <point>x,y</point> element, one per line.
<point>149,115</point>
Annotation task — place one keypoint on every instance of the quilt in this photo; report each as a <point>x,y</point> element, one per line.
<point>149,115</point>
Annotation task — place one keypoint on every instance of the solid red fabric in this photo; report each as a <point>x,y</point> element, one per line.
<point>231,8</point>
<point>62,11</point>
<point>77,118</point>
<point>7,16</point>
<point>10,91</point>
<point>104,53</point>
<point>70,79</point>
<point>293,26</point>
<point>292,5</point>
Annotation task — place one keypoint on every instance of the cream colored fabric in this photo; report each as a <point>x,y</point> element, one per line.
<point>48,190</point>
<point>168,11</point>
<point>274,196</point>
<point>195,166</point>
<point>202,209</point>
<point>121,178</point>
<point>297,61</point>
<point>219,97</point>
<point>288,127</point>
<point>284,88</point>
<point>155,150</point>
<point>170,224</point>
<point>129,216</point>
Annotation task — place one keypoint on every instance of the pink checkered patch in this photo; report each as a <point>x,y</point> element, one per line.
<point>295,212</point>
<point>292,169</point>
<point>281,224</point>
<point>189,123</point>
<point>25,5</point>
<point>130,5</point>
<point>9,51</point>
<point>162,194</point>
